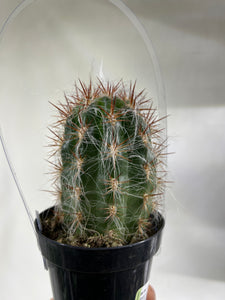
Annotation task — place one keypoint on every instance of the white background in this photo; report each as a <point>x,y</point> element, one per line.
<point>188,36</point>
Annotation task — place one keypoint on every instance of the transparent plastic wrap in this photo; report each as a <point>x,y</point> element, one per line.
<point>46,47</point>
<point>57,51</point>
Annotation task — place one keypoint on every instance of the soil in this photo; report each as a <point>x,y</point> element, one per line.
<point>53,228</point>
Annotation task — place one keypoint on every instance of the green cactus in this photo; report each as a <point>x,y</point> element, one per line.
<point>110,153</point>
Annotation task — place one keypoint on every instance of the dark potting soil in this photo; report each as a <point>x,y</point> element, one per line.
<point>53,228</point>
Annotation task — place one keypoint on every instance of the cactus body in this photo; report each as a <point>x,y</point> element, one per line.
<point>108,169</point>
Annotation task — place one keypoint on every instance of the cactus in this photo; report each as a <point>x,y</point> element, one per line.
<point>110,151</point>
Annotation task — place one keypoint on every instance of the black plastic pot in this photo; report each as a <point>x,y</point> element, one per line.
<point>78,273</point>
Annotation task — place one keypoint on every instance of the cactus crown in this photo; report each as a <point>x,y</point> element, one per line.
<point>107,176</point>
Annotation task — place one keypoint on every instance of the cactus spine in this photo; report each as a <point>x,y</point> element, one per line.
<point>110,153</point>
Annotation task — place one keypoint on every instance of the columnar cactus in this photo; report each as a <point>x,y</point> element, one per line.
<point>110,153</point>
